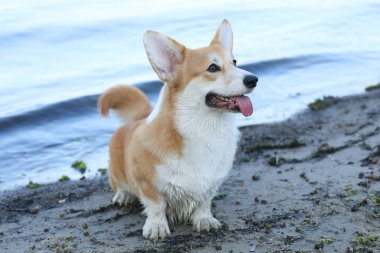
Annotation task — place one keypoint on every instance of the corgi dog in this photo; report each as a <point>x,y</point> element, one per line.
<point>174,157</point>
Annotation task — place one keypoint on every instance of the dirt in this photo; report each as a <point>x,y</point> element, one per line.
<point>309,184</point>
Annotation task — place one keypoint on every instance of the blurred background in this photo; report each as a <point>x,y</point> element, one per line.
<point>56,57</point>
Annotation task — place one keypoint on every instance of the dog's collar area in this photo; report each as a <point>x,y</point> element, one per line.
<point>236,104</point>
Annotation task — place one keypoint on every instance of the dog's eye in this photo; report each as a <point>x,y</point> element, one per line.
<point>213,68</point>
<point>234,61</point>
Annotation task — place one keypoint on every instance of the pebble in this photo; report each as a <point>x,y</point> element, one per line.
<point>61,201</point>
<point>86,233</point>
<point>34,210</point>
<point>255,178</point>
<point>318,246</point>
<point>85,226</point>
<point>354,208</point>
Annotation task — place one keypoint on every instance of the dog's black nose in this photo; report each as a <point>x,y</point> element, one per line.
<point>250,81</point>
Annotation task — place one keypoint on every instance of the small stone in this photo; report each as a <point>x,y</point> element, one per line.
<point>46,230</point>
<point>255,177</point>
<point>318,246</point>
<point>237,202</point>
<point>257,199</point>
<point>1,233</point>
<point>34,210</point>
<point>61,201</point>
<point>218,247</point>
<point>264,202</point>
<point>354,208</point>
<point>61,215</point>
<point>361,175</point>
<point>85,226</point>
<point>364,183</point>
<point>303,175</point>
<point>86,233</point>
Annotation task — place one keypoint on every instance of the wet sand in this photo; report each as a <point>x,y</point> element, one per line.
<point>308,184</point>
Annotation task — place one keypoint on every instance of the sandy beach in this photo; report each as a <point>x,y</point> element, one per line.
<point>308,184</point>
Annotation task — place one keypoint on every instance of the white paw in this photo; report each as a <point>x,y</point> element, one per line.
<point>123,198</point>
<point>204,224</point>
<point>155,229</point>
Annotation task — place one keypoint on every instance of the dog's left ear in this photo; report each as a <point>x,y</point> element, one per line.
<point>165,54</point>
<point>224,36</point>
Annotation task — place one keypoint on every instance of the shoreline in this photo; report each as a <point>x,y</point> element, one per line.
<point>303,184</point>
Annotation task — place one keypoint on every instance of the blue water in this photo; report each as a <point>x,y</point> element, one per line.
<point>57,56</point>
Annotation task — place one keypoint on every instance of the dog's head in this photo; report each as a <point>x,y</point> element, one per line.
<point>208,75</point>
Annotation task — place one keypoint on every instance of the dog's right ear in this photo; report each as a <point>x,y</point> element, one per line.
<point>165,54</point>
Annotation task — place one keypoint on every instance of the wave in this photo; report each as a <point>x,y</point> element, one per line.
<point>288,63</point>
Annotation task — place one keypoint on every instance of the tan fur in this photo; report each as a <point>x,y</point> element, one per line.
<point>197,60</point>
<point>128,101</point>
<point>136,148</point>
<point>118,175</point>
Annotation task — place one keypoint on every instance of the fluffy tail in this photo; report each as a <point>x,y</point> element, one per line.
<point>129,103</point>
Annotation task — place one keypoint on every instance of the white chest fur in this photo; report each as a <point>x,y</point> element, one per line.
<point>210,139</point>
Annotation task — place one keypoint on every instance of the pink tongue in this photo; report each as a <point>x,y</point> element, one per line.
<point>245,105</point>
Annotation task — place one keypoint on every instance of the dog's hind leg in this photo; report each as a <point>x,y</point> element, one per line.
<point>123,196</point>
<point>118,182</point>
<point>118,173</point>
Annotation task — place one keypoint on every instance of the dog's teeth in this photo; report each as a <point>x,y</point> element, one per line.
<point>221,98</point>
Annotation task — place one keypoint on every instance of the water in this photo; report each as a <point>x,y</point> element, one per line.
<point>56,57</point>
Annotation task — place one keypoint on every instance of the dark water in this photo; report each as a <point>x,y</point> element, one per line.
<point>56,58</point>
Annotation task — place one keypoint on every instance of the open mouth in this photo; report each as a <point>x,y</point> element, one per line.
<point>241,103</point>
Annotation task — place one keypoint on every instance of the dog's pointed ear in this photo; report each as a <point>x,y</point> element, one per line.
<point>224,36</point>
<point>164,53</point>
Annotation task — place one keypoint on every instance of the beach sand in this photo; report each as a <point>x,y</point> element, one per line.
<point>308,183</point>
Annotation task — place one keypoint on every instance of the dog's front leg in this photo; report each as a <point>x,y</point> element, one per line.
<point>202,218</point>
<point>156,224</point>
